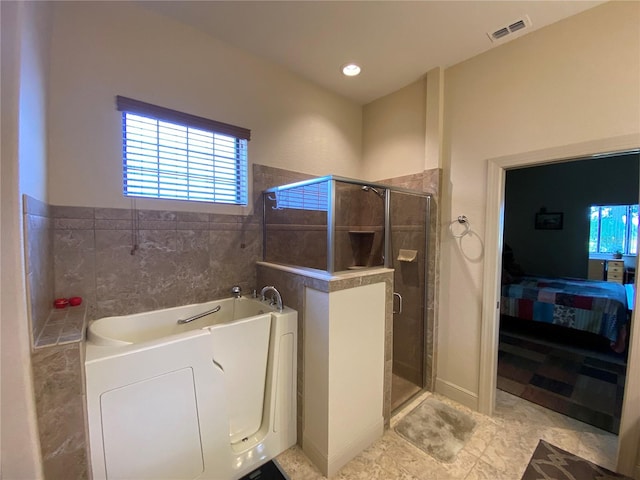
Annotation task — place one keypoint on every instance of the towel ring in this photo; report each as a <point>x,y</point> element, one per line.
<point>463,220</point>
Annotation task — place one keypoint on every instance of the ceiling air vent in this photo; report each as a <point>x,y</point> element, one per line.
<point>499,34</point>
<point>514,27</point>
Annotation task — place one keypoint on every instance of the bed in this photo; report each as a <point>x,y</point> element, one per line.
<point>587,305</point>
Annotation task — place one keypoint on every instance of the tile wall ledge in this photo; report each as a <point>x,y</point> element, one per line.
<point>337,281</point>
<point>63,326</point>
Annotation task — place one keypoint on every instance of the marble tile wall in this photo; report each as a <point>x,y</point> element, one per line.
<point>57,366</point>
<point>299,237</point>
<point>60,400</point>
<point>38,234</point>
<point>356,211</point>
<point>124,261</point>
<point>127,261</point>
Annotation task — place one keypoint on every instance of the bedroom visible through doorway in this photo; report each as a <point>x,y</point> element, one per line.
<point>563,334</point>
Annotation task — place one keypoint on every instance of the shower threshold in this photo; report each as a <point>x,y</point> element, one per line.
<point>402,392</point>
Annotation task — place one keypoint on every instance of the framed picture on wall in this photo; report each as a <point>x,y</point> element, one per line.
<point>549,221</point>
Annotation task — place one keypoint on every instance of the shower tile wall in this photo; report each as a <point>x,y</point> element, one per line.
<point>297,237</point>
<point>294,237</point>
<point>358,211</point>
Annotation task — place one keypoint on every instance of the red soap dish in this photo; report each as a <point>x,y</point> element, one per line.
<point>60,302</point>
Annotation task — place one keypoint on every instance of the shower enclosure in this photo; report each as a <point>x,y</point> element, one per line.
<point>339,225</point>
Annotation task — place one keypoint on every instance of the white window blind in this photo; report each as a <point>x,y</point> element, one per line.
<point>305,197</point>
<point>173,155</point>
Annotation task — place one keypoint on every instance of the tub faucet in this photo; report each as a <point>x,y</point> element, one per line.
<point>236,291</point>
<point>276,298</point>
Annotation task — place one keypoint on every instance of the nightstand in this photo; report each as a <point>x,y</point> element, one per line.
<point>615,271</point>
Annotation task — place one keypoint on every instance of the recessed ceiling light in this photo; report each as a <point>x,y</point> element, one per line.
<point>351,69</point>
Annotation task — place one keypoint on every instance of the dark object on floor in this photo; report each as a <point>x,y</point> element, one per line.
<point>551,462</point>
<point>586,387</point>
<point>268,471</point>
<point>437,429</point>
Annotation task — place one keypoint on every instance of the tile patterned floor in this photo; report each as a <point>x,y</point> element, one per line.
<point>499,448</point>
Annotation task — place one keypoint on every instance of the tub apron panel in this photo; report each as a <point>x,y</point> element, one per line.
<point>147,429</point>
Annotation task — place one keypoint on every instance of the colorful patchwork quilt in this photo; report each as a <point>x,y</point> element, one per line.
<point>589,305</point>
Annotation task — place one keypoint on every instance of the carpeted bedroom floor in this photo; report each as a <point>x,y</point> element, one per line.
<point>586,386</point>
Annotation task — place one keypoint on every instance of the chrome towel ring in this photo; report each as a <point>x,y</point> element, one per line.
<point>461,220</point>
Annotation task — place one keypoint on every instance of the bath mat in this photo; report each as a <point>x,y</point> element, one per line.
<point>269,471</point>
<point>437,429</point>
<point>551,462</point>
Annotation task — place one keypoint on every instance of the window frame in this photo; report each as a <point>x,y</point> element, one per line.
<point>241,137</point>
<point>627,232</point>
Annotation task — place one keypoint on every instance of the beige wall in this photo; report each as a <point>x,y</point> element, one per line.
<point>573,81</point>
<point>24,39</point>
<point>100,50</point>
<point>34,70</point>
<point>393,133</point>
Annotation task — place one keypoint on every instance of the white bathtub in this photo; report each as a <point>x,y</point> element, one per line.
<point>210,399</point>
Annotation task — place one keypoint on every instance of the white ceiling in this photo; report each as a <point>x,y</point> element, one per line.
<point>395,42</point>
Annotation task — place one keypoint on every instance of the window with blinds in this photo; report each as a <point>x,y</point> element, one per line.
<point>304,197</point>
<point>173,155</point>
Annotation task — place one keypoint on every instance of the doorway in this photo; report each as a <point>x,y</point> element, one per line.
<point>630,422</point>
<point>558,351</point>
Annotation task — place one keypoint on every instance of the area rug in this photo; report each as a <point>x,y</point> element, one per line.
<point>268,471</point>
<point>586,387</point>
<point>437,429</point>
<point>549,462</point>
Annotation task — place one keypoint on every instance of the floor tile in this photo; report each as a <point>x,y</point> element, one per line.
<point>499,448</point>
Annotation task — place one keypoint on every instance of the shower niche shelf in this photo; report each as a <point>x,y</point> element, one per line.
<point>361,247</point>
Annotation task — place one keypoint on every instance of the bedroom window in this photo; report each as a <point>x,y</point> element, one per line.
<point>177,156</point>
<point>614,228</point>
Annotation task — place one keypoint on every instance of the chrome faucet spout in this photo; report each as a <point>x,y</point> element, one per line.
<point>276,298</point>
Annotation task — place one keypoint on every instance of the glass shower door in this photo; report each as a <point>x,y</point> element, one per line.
<point>407,249</point>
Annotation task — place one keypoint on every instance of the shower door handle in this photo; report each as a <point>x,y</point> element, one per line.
<point>396,294</point>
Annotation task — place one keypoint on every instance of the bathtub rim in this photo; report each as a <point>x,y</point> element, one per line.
<point>109,345</point>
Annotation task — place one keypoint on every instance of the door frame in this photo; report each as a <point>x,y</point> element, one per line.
<point>629,435</point>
